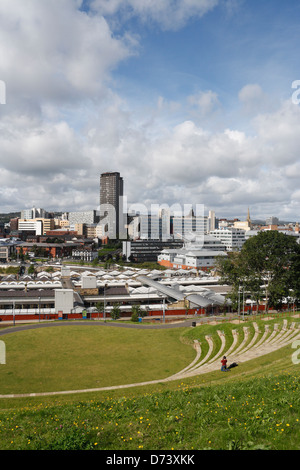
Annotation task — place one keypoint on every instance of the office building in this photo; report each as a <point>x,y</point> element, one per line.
<point>38,226</point>
<point>33,213</point>
<point>189,224</point>
<point>84,217</point>
<point>272,221</point>
<point>111,205</point>
<point>140,251</point>
<point>232,238</point>
<point>200,252</point>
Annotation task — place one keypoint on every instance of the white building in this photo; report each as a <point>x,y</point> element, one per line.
<point>150,227</point>
<point>33,213</point>
<point>187,224</point>
<point>211,221</point>
<point>188,259</point>
<point>84,217</point>
<point>31,225</point>
<point>232,238</point>
<point>7,248</point>
<point>199,252</point>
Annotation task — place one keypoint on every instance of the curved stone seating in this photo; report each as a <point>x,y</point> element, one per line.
<point>271,338</point>
<point>223,345</point>
<point>235,335</point>
<point>289,332</point>
<point>264,336</point>
<point>263,341</point>
<point>252,342</point>
<point>207,356</point>
<point>197,346</point>
<point>244,341</point>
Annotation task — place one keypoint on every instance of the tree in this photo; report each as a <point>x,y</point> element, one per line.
<point>31,269</point>
<point>21,253</point>
<point>99,306</point>
<point>116,312</point>
<point>137,312</point>
<point>268,263</point>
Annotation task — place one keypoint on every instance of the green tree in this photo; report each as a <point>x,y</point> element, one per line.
<point>116,312</point>
<point>268,265</point>
<point>100,307</point>
<point>21,253</point>
<point>31,269</point>
<point>137,312</point>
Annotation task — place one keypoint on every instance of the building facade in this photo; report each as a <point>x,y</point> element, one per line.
<point>199,252</point>
<point>232,238</point>
<point>111,205</point>
<point>83,217</point>
<point>189,224</point>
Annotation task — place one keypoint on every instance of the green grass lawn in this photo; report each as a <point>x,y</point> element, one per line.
<point>258,413</point>
<point>78,357</point>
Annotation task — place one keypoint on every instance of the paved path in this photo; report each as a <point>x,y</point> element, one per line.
<point>33,326</point>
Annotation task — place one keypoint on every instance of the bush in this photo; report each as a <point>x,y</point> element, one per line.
<point>135,317</point>
<point>116,312</point>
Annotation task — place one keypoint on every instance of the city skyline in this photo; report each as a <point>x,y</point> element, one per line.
<point>191,101</point>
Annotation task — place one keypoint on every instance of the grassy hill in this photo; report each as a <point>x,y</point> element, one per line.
<point>256,405</point>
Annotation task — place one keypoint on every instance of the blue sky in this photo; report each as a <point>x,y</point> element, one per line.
<point>190,100</point>
<point>256,42</point>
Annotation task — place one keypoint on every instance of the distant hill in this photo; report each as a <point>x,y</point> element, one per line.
<point>5,218</point>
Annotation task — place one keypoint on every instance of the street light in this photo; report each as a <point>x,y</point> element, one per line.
<point>164,299</point>
<point>104,310</point>
<point>239,309</point>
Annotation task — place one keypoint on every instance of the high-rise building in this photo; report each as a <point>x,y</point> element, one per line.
<point>272,221</point>
<point>189,224</point>
<point>33,213</point>
<point>84,217</point>
<point>111,204</point>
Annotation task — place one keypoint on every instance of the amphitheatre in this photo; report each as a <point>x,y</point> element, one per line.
<point>242,344</point>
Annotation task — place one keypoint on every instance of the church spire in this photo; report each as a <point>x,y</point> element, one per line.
<point>248,218</point>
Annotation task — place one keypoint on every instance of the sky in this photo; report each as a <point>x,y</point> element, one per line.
<point>192,101</point>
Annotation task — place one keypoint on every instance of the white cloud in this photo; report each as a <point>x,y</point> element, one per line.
<point>254,100</point>
<point>205,102</point>
<point>225,171</point>
<point>53,51</point>
<point>64,122</point>
<point>168,14</point>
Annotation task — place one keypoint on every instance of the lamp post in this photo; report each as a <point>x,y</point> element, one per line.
<point>239,301</point>
<point>104,310</point>
<point>160,295</point>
